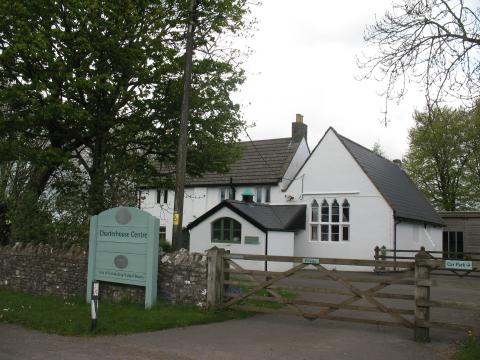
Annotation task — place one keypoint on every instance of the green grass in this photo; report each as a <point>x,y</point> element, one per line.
<point>56,315</point>
<point>470,349</point>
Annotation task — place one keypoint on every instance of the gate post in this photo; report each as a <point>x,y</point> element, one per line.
<point>422,297</point>
<point>215,277</point>
<point>376,257</point>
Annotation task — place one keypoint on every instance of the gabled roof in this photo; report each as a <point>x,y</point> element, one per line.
<point>397,188</point>
<point>261,162</point>
<point>263,216</point>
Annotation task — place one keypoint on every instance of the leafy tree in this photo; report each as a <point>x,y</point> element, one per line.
<point>377,148</point>
<point>93,88</point>
<point>442,149</point>
<point>433,42</point>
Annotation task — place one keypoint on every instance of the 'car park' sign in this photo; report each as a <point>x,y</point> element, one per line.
<point>458,265</point>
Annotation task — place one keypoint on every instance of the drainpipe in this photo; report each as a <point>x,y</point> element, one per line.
<point>395,222</point>
<point>232,188</point>
<point>266,254</point>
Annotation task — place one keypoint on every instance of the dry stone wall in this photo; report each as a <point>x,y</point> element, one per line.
<point>40,269</point>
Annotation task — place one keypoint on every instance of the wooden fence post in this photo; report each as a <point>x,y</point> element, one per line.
<point>215,277</point>
<point>377,257</point>
<point>422,297</point>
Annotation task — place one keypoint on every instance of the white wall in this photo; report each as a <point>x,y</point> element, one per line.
<point>280,243</point>
<point>412,236</point>
<point>332,173</point>
<point>297,161</point>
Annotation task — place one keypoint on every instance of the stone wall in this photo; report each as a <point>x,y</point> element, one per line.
<point>40,269</point>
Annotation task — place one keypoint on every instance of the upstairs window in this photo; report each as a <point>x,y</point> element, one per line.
<point>226,230</point>
<point>263,194</point>
<point>161,192</point>
<point>226,193</point>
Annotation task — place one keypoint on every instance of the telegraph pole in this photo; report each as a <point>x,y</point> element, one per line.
<point>183,136</point>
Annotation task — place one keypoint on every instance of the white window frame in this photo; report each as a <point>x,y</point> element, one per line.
<point>263,194</point>
<point>342,224</point>
<point>226,193</point>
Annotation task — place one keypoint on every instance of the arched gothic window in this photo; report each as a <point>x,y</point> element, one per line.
<point>226,230</point>
<point>314,211</point>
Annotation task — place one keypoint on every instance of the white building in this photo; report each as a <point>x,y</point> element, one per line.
<point>265,168</point>
<point>344,200</point>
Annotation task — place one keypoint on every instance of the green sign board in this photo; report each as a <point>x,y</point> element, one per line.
<point>313,261</point>
<point>252,240</point>
<point>123,248</point>
<point>458,265</point>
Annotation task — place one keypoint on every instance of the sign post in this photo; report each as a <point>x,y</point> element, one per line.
<point>123,248</point>
<point>94,304</point>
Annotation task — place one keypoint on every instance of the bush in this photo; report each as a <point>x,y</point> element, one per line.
<point>166,246</point>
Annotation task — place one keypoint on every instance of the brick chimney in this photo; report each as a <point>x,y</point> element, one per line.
<point>299,129</point>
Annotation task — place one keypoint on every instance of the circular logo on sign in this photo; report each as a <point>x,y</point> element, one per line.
<point>120,261</point>
<point>123,216</point>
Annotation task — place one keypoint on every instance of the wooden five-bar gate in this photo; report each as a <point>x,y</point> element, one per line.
<point>310,288</point>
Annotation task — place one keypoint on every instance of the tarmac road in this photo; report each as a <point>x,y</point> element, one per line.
<point>259,337</point>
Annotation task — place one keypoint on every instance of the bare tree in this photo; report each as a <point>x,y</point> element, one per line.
<point>432,42</point>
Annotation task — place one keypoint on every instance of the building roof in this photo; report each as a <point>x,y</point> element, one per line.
<point>394,184</point>
<point>459,214</point>
<point>263,216</point>
<point>261,162</point>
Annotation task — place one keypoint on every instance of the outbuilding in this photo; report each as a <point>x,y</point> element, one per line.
<point>249,228</point>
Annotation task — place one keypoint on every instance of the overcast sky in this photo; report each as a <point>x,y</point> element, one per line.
<point>304,62</point>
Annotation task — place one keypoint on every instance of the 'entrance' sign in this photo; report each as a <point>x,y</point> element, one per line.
<point>123,248</point>
<point>458,265</point>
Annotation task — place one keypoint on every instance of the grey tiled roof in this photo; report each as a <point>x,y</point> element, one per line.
<point>394,184</point>
<point>265,217</point>
<point>261,162</point>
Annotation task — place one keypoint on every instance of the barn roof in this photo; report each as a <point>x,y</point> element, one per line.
<point>394,184</point>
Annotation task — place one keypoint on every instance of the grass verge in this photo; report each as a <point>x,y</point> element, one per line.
<point>470,350</point>
<point>71,316</point>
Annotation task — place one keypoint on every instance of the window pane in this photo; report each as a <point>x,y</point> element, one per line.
<point>165,196</point>
<point>163,233</point>
<point>222,194</point>
<point>314,233</point>
<point>324,234</point>
<point>451,243</point>
<point>325,211</point>
<point>345,211</point>
<point>216,235</point>
<point>460,244</point>
<point>335,212</point>
<point>259,194</point>
<point>267,194</point>
<point>231,194</point>
<point>335,233</point>
<point>314,211</point>
<point>445,245</point>
<point>345,233</point>
<point>159,194</point>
